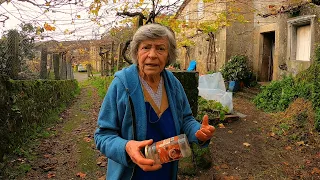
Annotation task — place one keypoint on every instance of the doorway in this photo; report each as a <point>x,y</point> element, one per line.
<point>266,69</point>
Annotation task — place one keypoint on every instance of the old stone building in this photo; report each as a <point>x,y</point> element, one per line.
<point>278,37</point>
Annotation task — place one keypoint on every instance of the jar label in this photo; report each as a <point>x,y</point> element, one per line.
<point>169,149</point>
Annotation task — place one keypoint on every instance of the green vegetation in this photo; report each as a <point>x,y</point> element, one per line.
<point>214,109</point>
<point>278,95</point>
<point>31,106</point>
<point>236,69</point>
<point>102,84</point>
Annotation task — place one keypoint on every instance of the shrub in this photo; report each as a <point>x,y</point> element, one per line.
<point>236,69</point>
<point>213,109</point>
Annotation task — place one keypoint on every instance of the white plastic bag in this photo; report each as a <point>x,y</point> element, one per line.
<point>212,87</point>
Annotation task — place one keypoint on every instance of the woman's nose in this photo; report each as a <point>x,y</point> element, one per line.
<point>152,53</point>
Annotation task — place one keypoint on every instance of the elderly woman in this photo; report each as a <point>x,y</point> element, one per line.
<point>144,104</point>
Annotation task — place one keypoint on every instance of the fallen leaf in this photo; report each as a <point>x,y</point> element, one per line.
<point>315,171</point>
<point>224,166</point>
<point>47,155</point>
<point>308,162</point>
<point>221,126</point>
<point>81,175</point>
<point>51,175</point>
<point>286,163</point>
<point>102,177</point>
<point>246,144</point>
<point>230,132</point>
<point>288,148</point>
<point>86,139</point>
<point>272,134</point>
<point>103,164</point>
<point>300,143</point>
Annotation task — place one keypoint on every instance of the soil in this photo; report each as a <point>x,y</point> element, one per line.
<point>258,146</point>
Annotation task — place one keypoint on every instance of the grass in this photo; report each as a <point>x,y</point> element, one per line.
<point>87,157</point>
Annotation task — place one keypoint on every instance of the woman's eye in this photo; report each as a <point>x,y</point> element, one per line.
<point>145,47</point>
<point>161,48</point>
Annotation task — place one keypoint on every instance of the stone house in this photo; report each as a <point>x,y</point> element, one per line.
<point>278,37</point>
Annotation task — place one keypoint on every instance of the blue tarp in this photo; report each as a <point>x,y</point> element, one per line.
<point>192,65</point>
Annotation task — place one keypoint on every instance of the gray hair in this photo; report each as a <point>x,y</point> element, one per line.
<point>153,31</point>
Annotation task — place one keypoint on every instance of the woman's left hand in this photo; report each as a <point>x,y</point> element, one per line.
<point>206,131</point>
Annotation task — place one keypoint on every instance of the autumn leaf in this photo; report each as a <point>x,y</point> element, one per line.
<point>315,171</point>
<point>221,126</point>
<point>86,139</point>
<point>300,143</point>
<point>81,175</point>
<point>246,144</point>
<point>286,163</point>
<point>48,27</point>
<point>78,16</point>
<point>51,175</point>
<point>288,148</point>
<point>47,155</point>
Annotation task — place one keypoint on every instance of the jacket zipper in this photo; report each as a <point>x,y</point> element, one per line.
<point>134,167</point>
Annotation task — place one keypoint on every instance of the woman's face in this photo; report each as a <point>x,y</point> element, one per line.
<point>152,56</point>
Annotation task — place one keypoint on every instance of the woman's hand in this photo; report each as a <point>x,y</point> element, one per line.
<point>133,149</point>
<point>206,131</point>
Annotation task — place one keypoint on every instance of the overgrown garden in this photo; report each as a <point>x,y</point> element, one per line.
<point>278,95</point>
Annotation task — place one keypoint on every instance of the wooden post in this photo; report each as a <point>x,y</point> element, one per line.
<point>56,60</point>
<point>112,59</point>
<point>68,66</point>
<point>13,63</point>
<point>120,60</point>
<point>63,66</point>
<point>43,63</point>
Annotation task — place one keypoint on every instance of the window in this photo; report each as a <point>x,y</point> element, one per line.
<point>303,43</point>
<point>299,37</point>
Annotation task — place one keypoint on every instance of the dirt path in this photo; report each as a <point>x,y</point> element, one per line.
<point>70,153</point>
<point>243,149</point>
<point>247,149</point>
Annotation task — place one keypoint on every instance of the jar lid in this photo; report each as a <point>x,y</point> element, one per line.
<point>146,151</point>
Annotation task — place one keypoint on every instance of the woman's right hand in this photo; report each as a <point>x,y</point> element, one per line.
<point>133,149</point>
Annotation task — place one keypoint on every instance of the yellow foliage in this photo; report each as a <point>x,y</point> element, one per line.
<point>48,27</point>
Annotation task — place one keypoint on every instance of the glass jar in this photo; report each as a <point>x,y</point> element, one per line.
<point>168,150</point>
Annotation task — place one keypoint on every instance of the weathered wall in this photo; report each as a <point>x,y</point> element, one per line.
<point>279,24</point>
<point>239,39</point>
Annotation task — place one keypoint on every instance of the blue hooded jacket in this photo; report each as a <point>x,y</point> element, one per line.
<point>115,119</point>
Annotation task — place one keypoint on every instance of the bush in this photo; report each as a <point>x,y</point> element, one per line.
<point>30,105</point>
<point>213,109</point>
<point>279,94</point>
<point>236,69</point>
<point>317,119</point>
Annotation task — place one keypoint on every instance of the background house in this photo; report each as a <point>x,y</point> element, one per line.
<point>278,37</point>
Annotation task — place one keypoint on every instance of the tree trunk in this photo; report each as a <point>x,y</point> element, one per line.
<point>13,63</point>
<point>120,60</point>
<point>43,63</point>
<point>112,69</point>
<point>56,59</point>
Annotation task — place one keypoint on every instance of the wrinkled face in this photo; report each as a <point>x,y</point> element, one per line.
<point>153,56</point>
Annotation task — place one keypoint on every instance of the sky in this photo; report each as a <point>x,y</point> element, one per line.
<point>72,22</point>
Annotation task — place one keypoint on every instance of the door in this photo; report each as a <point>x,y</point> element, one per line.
<point>266,69</point>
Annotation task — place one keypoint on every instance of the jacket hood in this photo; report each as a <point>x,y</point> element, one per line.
<point>129,76</point>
